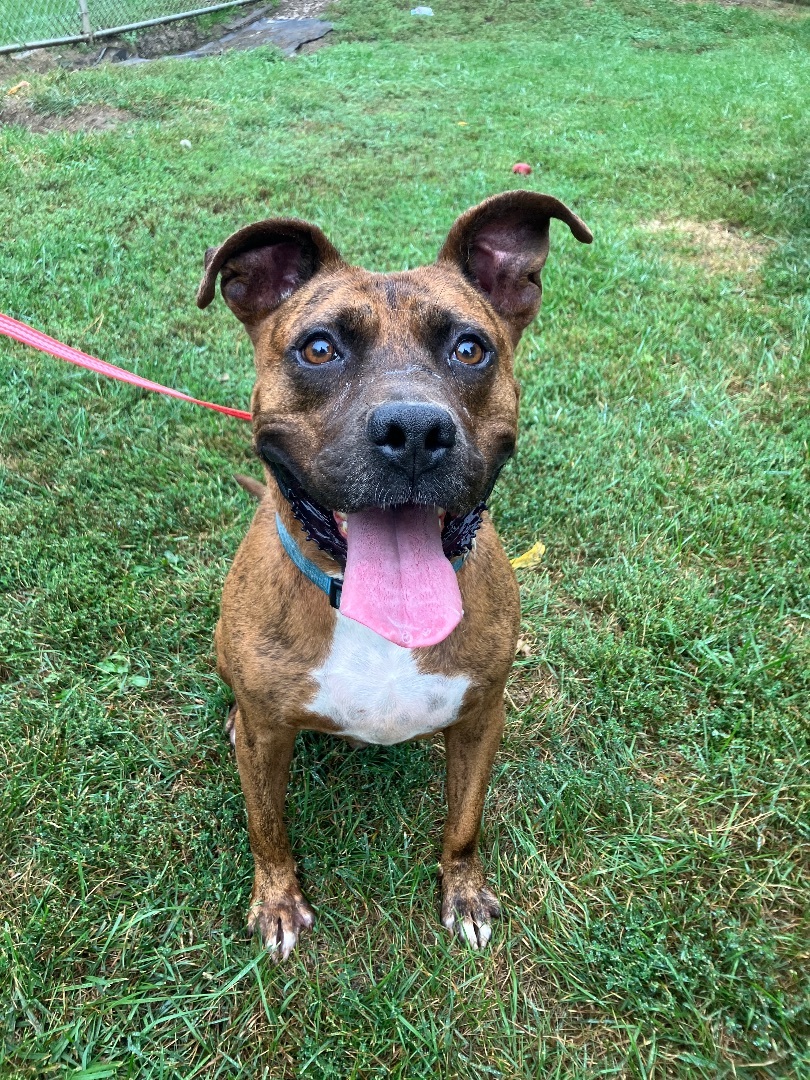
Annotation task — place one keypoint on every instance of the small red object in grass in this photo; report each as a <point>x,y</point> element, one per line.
<point>522,168</point>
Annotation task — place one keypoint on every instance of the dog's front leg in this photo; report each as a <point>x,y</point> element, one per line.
<point>468,905</point>
<point>278,910</point>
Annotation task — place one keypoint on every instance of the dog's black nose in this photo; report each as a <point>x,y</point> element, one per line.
<point>412,436</point>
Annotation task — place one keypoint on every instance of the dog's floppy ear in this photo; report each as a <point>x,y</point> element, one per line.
<point>264,263</point>
<point>501,246</point>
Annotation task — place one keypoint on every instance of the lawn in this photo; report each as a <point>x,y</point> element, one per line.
<point>647,822</point>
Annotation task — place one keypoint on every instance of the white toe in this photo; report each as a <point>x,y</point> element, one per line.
<point>468,929</point>
<point>288,944</point>
<point>484,934</point>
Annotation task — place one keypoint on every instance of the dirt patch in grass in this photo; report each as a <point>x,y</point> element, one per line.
<point>84,118</point>
<point>175,37</point>
<point>714,245</point>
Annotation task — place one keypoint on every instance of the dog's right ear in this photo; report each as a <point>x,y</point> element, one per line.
<point>264,263</point>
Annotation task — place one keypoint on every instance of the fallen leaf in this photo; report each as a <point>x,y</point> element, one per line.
<point>523,648</point>
<point>17,87</point>
<point>531,558</point>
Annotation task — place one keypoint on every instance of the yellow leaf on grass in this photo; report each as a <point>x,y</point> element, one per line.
<point>531,558</point>
<point>19,86</point>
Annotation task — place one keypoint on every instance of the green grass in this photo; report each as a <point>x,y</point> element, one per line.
<point>647,823</point>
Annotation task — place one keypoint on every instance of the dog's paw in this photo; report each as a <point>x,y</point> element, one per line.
<point>468,906</point>
<point>279,921</point>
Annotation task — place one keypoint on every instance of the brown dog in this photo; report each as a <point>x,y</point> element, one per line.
<point>384,408</point>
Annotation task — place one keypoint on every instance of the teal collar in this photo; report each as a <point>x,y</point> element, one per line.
<point>332,586</point>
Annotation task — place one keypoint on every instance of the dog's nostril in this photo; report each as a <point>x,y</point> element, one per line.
<point>434,439</point>
<point>395,436</point>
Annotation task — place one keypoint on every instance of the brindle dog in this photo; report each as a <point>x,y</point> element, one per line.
<point>384,408</point>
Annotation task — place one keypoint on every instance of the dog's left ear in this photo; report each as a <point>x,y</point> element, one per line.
<point>501,246</point>
<point>263,264</point>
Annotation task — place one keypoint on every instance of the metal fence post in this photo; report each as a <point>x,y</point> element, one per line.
<point>87,29</point>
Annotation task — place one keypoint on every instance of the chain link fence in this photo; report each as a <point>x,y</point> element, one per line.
<point>26,24</point>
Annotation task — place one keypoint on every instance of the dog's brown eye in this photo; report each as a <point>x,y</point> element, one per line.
<point>319,351</point>
<point>469,351</point>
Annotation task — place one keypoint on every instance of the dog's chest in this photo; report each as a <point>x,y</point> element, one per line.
<point>374,691</point>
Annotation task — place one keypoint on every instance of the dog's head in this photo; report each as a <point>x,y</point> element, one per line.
<point>384,391</point>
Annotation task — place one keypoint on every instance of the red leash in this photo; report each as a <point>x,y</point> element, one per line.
<point>20,331</point>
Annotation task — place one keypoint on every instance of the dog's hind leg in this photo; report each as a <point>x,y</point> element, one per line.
<point>223,668</point>
<point>230,724</point>
<point>224,673</point>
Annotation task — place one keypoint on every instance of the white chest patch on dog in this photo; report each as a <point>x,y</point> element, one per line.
<point>374,692</point>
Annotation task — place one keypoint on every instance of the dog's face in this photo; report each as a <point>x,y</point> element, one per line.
<point>389,390</point>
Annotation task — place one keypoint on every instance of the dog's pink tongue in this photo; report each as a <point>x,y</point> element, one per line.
<point>398,581</point>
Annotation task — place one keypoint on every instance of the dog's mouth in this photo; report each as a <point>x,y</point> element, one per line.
<point>399,574</point>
